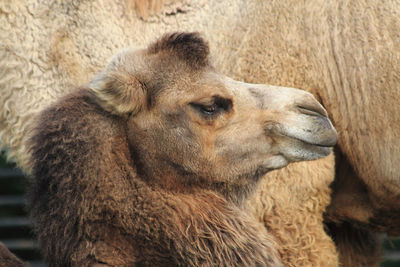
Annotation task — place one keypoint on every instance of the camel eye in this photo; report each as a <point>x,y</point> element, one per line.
<point>209,110</point>
<point>217,106</point>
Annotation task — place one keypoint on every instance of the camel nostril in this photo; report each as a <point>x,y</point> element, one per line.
<point>312,109</point>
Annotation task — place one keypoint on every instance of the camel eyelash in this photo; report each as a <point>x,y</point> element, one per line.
<point>218,105</point>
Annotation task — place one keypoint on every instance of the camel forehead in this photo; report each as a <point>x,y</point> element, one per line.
<point>199,87</point>
<point>166,76</point>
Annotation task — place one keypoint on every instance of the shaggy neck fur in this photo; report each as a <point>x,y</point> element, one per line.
<point>166,175</point>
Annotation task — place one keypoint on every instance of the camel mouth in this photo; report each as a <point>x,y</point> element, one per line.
<point>315,130</point>
<point>322,149</point>
<point>311,142</point>
<point>304,150</point>
<point>326,143</point>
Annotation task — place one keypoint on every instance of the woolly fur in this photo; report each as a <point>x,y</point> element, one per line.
<point>345,52</point>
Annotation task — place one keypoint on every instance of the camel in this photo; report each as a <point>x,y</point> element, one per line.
<point>344,52</point>
<point>151,163</point>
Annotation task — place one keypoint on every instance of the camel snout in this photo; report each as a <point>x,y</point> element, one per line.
<point>306,129</point>
<point>319,130</point>
<point>327,136</point>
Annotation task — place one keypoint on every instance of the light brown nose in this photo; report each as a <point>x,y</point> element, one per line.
<point>320,131</point>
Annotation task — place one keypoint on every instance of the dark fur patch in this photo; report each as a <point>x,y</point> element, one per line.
<point>9,259</point>
<point>189,47</point>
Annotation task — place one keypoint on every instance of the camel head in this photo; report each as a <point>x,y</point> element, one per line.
<point>189,126</point>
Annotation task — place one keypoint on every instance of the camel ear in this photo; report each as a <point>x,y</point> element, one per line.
<point>119,94</point>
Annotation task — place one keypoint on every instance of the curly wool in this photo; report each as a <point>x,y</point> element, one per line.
<point>297,223</point>
<point>47,48</point>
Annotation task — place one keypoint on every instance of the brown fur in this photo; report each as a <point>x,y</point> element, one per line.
<point>121,180</point>
<point>302,238</point>
<point>354,202</point>
<point>345,52</point>
<point>7,259</point>
<point>90,208</point>
<point>357,247</point>
<point>190,49</point>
